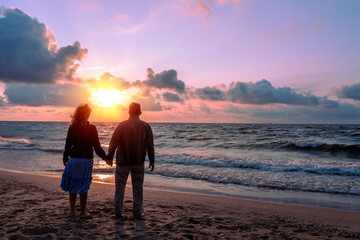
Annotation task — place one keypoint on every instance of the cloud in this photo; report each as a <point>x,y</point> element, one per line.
<point>167,79</point>
<point>2,101</point>
<point>281,34</point>
<point>224,2</point>
<point>204,8</point>
<point>131,30</point>
<point>46,95</point>
<point>149,104</point>
<point>234,109</point>
<point>108,81</point>
<point>345,113</point>
<point>29,53</point>
<point>201,9</point>
<point>147,101</point>
<point>90,5</point>
<point>119,17</point>
<point>349,92</point>
<point>204,108</point>
<point>171,97</point>
<point>262,92</point>
<point>210,93</point>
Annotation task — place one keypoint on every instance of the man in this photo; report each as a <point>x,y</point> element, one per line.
<point>132,139</point>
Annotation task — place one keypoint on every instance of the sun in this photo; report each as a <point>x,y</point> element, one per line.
<point>107,97</point>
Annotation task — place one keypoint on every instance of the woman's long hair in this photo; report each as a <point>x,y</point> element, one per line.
<point>81,115</point>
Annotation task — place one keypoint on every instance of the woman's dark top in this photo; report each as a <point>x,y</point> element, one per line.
<point>81,142</point>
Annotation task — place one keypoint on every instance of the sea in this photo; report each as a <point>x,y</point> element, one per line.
<point>302,164</point>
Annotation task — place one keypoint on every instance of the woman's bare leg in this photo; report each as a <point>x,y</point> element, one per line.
<point>72,198</point>
<point>83,200</point>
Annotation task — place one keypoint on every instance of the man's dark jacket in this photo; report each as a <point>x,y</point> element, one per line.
<point>132,139</point>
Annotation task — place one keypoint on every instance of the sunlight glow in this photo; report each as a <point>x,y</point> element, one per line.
<point>107,97</point>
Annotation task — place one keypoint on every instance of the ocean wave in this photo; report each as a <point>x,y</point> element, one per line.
<point>15,143</point>
<point>304,144</point>
<point>269,130</point>
<point>270,185</point>
<point>235,128</point>
<point>301,130</point>
<point>199,138</point>
<point>272,166</point>
<point>332,148</point>
<point>51,150</point>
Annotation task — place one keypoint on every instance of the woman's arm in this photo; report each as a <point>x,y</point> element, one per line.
<point>97,146</point>
<point>68,145</point>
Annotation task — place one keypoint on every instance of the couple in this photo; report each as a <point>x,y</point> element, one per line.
<point>132,139</point>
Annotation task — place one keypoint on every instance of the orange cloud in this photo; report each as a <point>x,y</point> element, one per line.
<point>90,6</point>
<point>119,17</point>
<point>279,35</point>
<point>202,8</point>
<point>224,2</point>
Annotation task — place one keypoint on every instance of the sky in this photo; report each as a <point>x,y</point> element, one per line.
<point>241,61</point>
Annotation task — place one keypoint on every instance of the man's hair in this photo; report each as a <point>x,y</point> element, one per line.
<point>134,109</point>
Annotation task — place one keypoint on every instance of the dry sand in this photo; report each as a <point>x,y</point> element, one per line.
<point>34,207</point>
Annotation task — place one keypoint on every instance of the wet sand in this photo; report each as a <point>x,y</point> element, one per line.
<point>34,207</point>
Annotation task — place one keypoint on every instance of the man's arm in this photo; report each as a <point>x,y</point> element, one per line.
<point>150,148</point>
<point>114,143</point>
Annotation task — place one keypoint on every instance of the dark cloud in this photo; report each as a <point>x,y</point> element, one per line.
<point>210,93</point>
<point>29,53</point>
<point>167,79</point>
<point>147,101</point>
<point>172,97</point>
<point>46,95</point>
<point>326,103</point>
<point>350,92</point>
<point>262,92</point>
<point>345,113</point>
<point>110,81</point>
<point>168,107</point>
<point>2,101</point>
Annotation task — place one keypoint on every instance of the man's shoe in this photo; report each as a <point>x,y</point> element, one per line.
<point>85,216</point>
<point>140,216</point>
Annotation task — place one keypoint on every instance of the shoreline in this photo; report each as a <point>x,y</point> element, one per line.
<point>307,199</point>
<point>38,207</point>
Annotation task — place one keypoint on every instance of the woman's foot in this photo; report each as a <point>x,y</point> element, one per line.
<point>70,215</point>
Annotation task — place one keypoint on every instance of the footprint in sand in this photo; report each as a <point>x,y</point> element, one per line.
<point>39,230</point>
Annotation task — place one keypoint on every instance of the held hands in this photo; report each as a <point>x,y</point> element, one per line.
<point>108,161</point>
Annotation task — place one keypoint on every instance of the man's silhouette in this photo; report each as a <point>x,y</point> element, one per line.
<point>132,138</point>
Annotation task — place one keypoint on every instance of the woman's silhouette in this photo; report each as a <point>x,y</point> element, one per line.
<point>82,138</point>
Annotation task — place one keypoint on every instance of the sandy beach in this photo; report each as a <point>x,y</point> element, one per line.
<point>34,207</point>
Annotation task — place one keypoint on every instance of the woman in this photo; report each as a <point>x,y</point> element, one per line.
<point>82,138</point>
